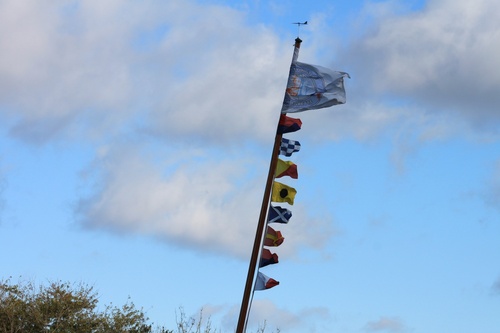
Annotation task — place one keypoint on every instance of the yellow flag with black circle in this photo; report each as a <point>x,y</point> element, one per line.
<point>283,193</point>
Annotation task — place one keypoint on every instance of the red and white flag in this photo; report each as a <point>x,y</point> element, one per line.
<point>264,282</point>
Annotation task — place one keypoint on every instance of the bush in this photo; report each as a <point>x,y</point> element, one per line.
<point>67,308</point>
<point>62,307</point>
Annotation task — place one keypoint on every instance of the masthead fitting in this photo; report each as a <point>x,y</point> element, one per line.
<point>298,26</point>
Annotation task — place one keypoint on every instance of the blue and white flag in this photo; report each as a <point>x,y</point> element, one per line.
<point>288,147</point>
<point>313,87</point>
<point>278,215</point>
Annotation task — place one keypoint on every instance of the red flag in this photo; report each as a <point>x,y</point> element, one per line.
<point>288,124</point>
<point>268,258</point>
<point>264,282</point>
<point>273,237</point>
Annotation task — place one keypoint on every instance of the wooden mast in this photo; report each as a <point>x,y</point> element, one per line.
<point>259,235</point>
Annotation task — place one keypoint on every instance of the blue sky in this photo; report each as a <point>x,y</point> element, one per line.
<point>135,139</point>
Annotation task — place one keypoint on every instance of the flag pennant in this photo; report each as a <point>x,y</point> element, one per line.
<point>264,282</point>
<point>278,215</point>
<point>283,193</point>
<point>273,237</point>
<point>286,168</point>
<point>268,258</point>
<point>313,87</point>
<point>288,147</point>
<point>288,124</point>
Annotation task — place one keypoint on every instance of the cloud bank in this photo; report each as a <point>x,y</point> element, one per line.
<point>178,68</point>
<point>129,77</point>
<point>196,200</point>
<point>439,57</point>
<point>264,311</point>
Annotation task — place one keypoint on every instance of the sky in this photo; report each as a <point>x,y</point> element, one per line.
<point>135,139</point>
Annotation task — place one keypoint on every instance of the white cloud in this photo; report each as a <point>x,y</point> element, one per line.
<point>61,63</point>
<point>386,324</point>
<point>92,67</point>
<point>195,74</point>
<point>197,200</point>
<point>196,204</point>
<point>233,88</point>
<point>442,57</point>
<point>192,75</point>
<point>187,71</point>
<point>265,311</point>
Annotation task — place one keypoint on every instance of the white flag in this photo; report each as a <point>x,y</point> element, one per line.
<point>313,87</point>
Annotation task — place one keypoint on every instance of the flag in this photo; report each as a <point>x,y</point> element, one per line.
<point>288,147</point>
<point>264,282</point>
<point>268,258</point>
<point>288,124</point>
<point>286,168</point>
<point>313,87</point>
<point>283,193</point>
<point>273,237</point>
<point>278,215</point>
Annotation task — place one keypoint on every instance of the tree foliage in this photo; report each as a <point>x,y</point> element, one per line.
<point>187,324</point>
<point>63,308</point>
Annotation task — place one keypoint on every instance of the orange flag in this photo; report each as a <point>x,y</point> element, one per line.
<point>268,258</point>
<point>273,237</point>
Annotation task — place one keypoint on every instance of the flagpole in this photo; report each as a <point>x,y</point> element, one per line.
<point>257,246</point>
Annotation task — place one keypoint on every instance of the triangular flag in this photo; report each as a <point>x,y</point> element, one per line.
<point>278,214</point>
<point>288,124</point>
<point>268,258</point>
<point>288,147</point>
<point>264,282</point>
<point>283,193</point>
<point>286,168</point>
<point>273,237</point>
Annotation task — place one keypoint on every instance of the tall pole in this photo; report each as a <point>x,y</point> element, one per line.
<point>259,235</point>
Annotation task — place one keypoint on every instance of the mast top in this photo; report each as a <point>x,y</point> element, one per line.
<point>298,27</point>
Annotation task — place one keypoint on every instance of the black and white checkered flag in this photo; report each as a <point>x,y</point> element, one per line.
<point>288,147</point>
